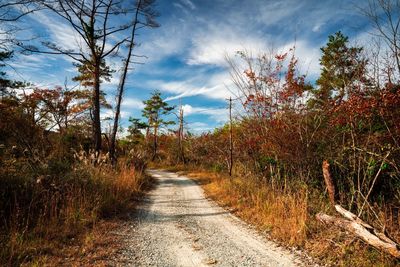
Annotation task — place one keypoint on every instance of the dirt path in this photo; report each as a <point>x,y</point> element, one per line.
<point>177,226</point>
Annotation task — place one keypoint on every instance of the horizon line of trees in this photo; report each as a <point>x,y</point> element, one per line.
<point>104,29</point>
<point>349,118</point>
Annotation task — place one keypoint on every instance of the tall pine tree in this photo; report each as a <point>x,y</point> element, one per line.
<point>4,81</point>
<point>342,71</point>
<point>154,110</point>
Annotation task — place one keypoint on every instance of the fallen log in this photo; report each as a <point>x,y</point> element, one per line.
<point>360,230</point>
<point>353,223</point>
<point>330,186</point>
<point>352,217</point>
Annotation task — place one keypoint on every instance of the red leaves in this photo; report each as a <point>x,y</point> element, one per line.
<point>281,57</point>
<point>250,74</point>
<point>56,106</point>
<point>366,106</point>
<point>295,85</point>
<point>270,88</point>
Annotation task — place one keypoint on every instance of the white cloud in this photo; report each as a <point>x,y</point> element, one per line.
<point>274,12</point>
<point>170,39</point>
<point>60,32</point>
<point>198,127</point>
<point>189,4</point>
<point>128,103</point>
<point>109,113</point>
<point>212,46</point>
<point>214,86</point>
<point>132,103</point>
<point>218,115</point>
<point>106,113</point>
<point>308,56</point>
<point>317,26</point>
<point>30,62</point>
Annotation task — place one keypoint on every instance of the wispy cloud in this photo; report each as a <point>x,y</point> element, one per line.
<point>198,127</point>
<point>186,55</point>
<point>218,115</point>
<point>132,103</point>
<point>189,4</point>
<point>222,42</point>
<point>58,31</point>
<point>214,86</point>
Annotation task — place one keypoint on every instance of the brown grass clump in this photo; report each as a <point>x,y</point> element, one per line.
<point>282,215</point>
<point>286,214</point>
<point>62,213</point>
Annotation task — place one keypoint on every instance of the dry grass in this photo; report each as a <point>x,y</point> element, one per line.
<point>282,215</point>
<point>287,215</point>
<point>64,219</point>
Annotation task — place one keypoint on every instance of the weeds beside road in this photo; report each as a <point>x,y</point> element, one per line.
<point>64,215</point>
<point>287,216</point>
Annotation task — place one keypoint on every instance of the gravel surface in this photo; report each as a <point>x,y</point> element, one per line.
<point>177,226</point>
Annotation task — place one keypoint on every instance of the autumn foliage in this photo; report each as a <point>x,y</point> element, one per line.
<point>55,189</point>
<point>286,127</point>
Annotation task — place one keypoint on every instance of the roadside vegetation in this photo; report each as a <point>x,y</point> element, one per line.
<point>284,130</point>
<point>65,181</point>
<point>292,149</point>
<point>57,211</point>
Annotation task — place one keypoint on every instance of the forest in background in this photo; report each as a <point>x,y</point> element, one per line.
<point>61,179</point>
<point>348,120</point>
<point>60,170</point>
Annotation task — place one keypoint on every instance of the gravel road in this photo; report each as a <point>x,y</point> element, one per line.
<point>177,226</point>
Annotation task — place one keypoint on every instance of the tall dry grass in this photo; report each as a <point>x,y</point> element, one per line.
<point>43,214</point>
<point>283,214</point>
<point>287,214</point>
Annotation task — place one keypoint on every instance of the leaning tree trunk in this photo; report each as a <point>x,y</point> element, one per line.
<point>155,143</point>
<point>96,108</point>
<point>180,138</point>
<point>361,230</point>
<point>121,88</point>
<point>353,223</point>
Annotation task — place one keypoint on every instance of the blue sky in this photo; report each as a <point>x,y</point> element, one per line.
<point>186,55</point>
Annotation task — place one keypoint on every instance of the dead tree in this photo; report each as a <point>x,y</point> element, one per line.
<point>230,138</point>
<point>328,181</point>
<point>362,230</point>
<point>98,28</point>
<point>143,8</point>
<point>353,224</point>
<point>384,16</point>
<point>180,137</point>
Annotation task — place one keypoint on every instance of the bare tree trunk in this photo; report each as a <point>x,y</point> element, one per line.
<point>121,88</point>
<point>328,181</point>
<point>230,138</point>
<point>155,142</point>
<point>353,223</point>
<point>377,240</point>
<point>180,137</point>
<point>96,109</point>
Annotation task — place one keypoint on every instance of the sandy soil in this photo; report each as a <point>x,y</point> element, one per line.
<point>177,226</point>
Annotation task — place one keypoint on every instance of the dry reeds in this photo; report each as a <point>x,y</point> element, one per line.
<point>283,214</point>
<point>40,213</point>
